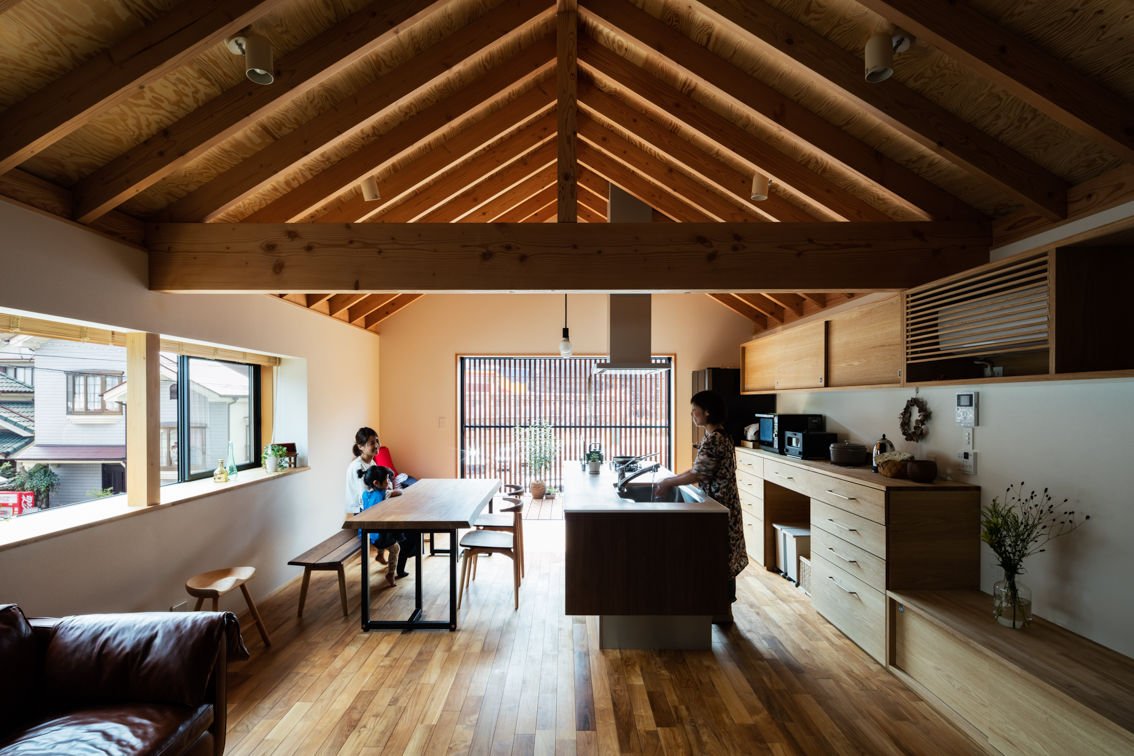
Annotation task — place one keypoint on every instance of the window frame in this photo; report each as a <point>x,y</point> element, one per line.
<point>86,375</point>
<point>184,429</point>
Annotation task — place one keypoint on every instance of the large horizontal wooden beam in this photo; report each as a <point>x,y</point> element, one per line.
<point>687,257</point>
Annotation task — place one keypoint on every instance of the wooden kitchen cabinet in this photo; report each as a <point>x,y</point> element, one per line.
<point>758,359</point>
<point>864,345</point>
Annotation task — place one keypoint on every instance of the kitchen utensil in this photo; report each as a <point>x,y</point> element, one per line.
<point>848,454</point>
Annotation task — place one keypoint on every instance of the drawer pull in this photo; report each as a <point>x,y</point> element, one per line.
<point>841,526</point>
<point>845,498</point>
<point>843,587</point>
<point>846,559</point>
<point>787,477</point>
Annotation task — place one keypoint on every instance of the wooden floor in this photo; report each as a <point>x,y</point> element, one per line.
<point>781,680</point>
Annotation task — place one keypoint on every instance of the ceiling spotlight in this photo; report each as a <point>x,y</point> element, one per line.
<point>257,52</point>
<point>370,189</point>
<point>879,55</point>
<point>760,184</point>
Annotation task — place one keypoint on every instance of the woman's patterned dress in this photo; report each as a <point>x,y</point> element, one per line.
<point>715,468</point>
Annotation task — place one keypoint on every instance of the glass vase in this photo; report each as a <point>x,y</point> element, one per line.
<point>1012,602</point>
<point>231,466</point>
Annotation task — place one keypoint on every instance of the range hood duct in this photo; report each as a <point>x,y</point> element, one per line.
<point>629,336</point>
<point>630,346</point>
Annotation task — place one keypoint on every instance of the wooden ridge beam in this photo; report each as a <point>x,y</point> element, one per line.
<point>299,72</point>
<point>712,126</point>
<point>445,180</point>
<point>111,76</point>
<point>650,191</point>
<point>648,257</point>
<point>476,129</point>
<point>783,115</point>
<point>567,74</point>
<point>915,116</point>
<point>365,107</point>
<point>1022,68</point>
<point>679,151</point>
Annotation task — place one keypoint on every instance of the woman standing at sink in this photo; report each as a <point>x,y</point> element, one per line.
<point>714,470</point>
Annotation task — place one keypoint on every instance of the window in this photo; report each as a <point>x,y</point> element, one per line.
<point>625,414</point>
<point>23,373</point>
<point>85,393</point>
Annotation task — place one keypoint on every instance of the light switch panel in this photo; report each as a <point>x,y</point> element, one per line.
<point>966,462</point>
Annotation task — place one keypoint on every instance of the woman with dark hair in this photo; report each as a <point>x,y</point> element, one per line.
<point>714,470</point>
<point>364,448</point>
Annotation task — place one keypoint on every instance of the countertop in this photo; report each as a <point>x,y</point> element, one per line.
<point>862,474</point>
<point>583,492</point>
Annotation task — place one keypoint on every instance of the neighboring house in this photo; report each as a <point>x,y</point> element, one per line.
<point>70,426</point>
<point>17,414</point>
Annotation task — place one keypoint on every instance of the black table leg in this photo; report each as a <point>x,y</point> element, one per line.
<point>414,621</point>
<point>453,579</point>
<point>365,579</point>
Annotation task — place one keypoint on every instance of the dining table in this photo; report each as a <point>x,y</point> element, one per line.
<point>438,505</point>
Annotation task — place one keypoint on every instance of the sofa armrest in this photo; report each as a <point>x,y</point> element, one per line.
<point>152,657</point>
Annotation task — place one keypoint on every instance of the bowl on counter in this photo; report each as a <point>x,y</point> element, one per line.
<point>847,454</point>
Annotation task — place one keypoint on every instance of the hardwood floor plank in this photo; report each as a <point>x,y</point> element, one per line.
<point>782,680</point>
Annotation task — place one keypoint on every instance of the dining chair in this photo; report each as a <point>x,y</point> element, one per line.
<point>509,519</point>
<point>494,539</point>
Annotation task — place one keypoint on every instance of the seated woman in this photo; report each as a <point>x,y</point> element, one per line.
<point>365,447</point>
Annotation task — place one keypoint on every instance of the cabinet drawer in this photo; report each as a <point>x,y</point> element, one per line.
<point>864,533</point>
<point>750,462</point>
<point>862,500</point>
<point>749,484</point>
<point>787,476</point>
<point>754,539</point>
<point>755,502</point>
<point>849,604</point>
<point>850,558</point>
<point>751,509</point>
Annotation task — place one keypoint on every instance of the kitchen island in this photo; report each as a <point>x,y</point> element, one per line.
<point>654,572</point>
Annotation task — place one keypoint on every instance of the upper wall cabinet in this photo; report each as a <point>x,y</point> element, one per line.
<point>858,347</point>
<point>1053,313</point>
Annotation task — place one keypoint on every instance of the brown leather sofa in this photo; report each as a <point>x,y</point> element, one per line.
<point>144,683</point>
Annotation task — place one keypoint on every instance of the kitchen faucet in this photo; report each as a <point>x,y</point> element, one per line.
<point>624,478</point>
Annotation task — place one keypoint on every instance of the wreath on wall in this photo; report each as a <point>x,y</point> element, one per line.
<point>914,430</point>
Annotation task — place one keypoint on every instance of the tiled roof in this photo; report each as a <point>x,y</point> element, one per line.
<point>19,414</point>
<point>10,385</point>
<point>79,453</point>
<point>10,442</point>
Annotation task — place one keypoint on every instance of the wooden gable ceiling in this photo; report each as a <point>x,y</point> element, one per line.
<point>131,116</point>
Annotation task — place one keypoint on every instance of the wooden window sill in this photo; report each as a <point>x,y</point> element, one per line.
<point>54,522</point>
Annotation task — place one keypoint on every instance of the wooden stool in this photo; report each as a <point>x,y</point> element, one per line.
<point>214,584</point>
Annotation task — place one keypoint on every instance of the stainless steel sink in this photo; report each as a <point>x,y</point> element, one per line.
<point>644,493</point>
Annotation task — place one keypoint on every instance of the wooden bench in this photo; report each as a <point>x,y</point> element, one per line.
<point>331,554</point>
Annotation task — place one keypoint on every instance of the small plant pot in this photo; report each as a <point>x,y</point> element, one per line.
<point>272,464</point>
<point>921,470</point>
<point>538,489</point>
<point>594,468</point>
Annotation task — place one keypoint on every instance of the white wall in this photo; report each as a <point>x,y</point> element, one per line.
<point>420,350</point>
<point>1073,437</point>
<point>53,268</point>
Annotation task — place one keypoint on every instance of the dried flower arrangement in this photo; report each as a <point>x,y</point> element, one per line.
<point>1018,528</point>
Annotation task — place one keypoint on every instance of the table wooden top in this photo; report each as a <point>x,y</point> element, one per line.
<point>429,504</point>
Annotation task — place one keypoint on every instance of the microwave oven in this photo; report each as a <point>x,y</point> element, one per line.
<point>773,426</point>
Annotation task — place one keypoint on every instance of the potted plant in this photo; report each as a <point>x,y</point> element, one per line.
<point>538,448</point>
<point>274,457</point>
<point>1016,529</point>
<point>594,461</point>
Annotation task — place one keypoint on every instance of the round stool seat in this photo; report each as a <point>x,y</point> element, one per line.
<point>216,583</point>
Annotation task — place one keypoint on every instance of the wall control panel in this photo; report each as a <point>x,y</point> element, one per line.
<point>966,409</point>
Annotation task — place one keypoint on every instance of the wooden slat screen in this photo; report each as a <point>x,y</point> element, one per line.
<point>627,414</point>
<point>999,310</point>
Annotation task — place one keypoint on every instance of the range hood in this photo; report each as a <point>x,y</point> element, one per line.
<point>629,313</point>
<point>629,336</point>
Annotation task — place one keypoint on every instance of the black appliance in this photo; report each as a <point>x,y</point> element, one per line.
<point>739,407</point>
<point>773,426</point>
<point>808,444</point>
